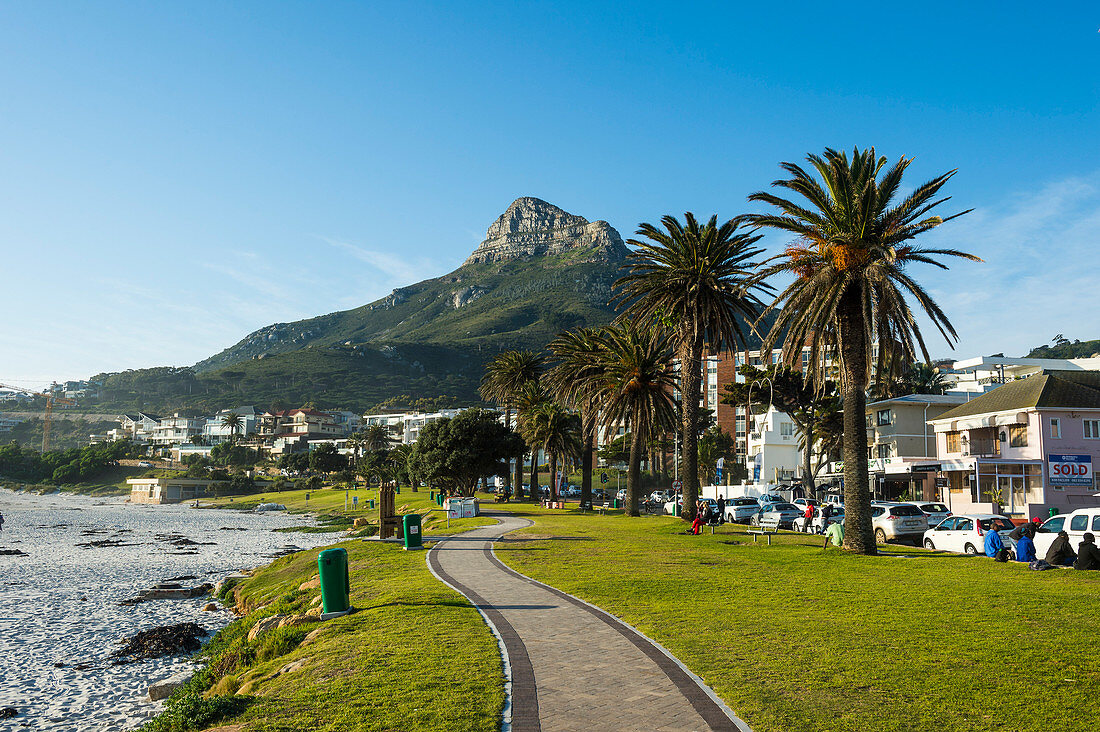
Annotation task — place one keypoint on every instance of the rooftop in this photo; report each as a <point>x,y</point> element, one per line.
<point>1047,389</point>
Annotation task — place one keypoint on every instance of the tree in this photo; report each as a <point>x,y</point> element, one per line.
<point>717,444</point>
<point>505,377</point>
<point>375,438</point>
<point>233,422</point>
<point>575,381</point>
<point>695,281</point>
<point>453,454</point>
<point>636,391</point>
<point>557,432</point>
<point>528,399</point>
<point>294,461</point>
<point>325,458</point>
<point>804,402</point>
<point>848,260</point>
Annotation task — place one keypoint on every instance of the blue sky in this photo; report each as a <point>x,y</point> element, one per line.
<point>177,175</point>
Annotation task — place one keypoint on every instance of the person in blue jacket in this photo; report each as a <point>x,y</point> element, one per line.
<point>1025,546</point>
<point>993,544</point>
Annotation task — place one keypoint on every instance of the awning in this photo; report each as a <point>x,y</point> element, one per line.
<point>986,420</point>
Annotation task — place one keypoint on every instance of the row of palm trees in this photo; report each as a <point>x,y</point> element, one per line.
<point>691,287</point>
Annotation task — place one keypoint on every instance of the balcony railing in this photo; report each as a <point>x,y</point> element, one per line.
<point>984,446</point>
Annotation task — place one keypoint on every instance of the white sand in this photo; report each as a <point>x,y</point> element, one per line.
<point>59,604</point>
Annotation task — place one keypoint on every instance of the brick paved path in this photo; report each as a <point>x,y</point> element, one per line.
<point>572,666</point>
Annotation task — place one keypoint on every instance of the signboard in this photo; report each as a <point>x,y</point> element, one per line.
<point>676,485</point>
<point>1070,470</point>
<point>718,471</point>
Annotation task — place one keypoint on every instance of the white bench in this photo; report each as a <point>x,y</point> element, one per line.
<point>769,526</point>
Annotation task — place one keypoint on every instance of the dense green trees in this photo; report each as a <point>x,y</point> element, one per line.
<point>452,454</point>
<point>61,466</point>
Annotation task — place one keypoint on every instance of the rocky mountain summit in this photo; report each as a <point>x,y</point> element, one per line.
<point>532,227</point>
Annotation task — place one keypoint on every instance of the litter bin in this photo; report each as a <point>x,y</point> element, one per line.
<point>615,503</point>
<point>332,568</point>
<point>411,524</point>
<point>1053,512</point>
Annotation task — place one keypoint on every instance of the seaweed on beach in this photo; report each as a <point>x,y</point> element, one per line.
<point>163,641</point>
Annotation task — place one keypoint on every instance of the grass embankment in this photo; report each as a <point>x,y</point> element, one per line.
<point>415,655</point>
<point>328,505</point>
<point>111,482</point>
<point>795,638</point>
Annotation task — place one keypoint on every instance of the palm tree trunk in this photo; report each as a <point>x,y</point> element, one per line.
<point>691,356</point>
<point>553,477</point>
<point>858,531</point>
<point>634,475</point>
<point>586,458</point>
<point>508,426</point>
<point>533,491</point>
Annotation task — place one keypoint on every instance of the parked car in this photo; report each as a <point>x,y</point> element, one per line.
<point>771,498</point>
<point>965,533</point>
<point>1075,523</point>
<point>787,513</point>
<point>818,524</point>
<point>835,499</point>
<point>898,521</point>
<point>621,495</point>
<point>803,503</point>
<point>145,464</point>
<point>573,491</point>
<point>660,497</point>
<point>599,494</point>
<point>741,509</point>
<point>934,512</point>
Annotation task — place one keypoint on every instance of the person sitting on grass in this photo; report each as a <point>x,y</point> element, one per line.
<point>1088,556</point>
<point>834,532</point>
<point>993,543</point>
<point>1060,553</point>
<point>1025,545</point>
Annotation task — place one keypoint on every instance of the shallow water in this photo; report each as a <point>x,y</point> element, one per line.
<point>59,604</point>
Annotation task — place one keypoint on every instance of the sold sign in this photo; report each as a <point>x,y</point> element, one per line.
<point>1070,469</point>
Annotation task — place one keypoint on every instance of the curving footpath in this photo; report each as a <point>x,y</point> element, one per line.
<point>570,665</point>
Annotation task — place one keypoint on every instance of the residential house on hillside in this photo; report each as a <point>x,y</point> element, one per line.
<point>348,422</point>
<point>137,428</point>
<point>291,430</point>
<point>11,395</point>
<point>901,445</point>
<point>7,423</point>
<point>176,430</point>
<point>214,430</point>
<point>1024,448</point>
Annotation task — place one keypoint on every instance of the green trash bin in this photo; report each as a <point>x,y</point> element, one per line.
<point>411,523</point>
<point>1053,512</point>
<point>615,503</point>
<point>432,494</point>
<point>332,568</point>
<point>675,509</point>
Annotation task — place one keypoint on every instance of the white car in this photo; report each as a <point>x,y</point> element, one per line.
<point>741,509</point>
<point>621,495</point>
<point>804,502</point>
<point>660,497</point>
<point>818,524</point>
<point>934,512</point>
<point>965,533</point>
<point>1076,524</point>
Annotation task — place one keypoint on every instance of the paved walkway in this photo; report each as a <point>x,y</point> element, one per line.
<point>571,665</point>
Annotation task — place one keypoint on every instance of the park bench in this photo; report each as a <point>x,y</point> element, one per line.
<point>769,526</point>
<point>600,507</point>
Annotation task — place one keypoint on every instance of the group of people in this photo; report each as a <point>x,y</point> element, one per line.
<point>823,512</point>
<point>1060,553</point>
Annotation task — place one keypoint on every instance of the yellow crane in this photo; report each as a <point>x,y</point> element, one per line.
<point>51,399</point>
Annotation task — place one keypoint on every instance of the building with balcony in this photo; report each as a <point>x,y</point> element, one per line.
<point>1024,448</point>
<point>214,430</point>
<point>138,428</point>
<point>176,430</point>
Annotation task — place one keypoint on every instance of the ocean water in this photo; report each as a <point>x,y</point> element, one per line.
<point>59,611</point>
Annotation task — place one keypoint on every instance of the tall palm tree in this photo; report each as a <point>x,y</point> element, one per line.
<point>374,438</point>
<point>694,280</point>
<point>528,399</point>
<point>556,431</point>
<point>636,391</point>
<point>575,382</point>
<point>233,422</point>
<point>849,294</point>
<point>504,377</point>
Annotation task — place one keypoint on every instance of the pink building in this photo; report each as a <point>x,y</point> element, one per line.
<point>1023,448</point>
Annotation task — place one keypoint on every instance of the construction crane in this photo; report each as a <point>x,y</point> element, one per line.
<point>51,400</point>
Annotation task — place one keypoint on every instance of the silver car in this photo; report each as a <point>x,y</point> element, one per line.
<point>900,521</point>
<point>741,509</point>
<point>933,511</point>
<point>787,513</point>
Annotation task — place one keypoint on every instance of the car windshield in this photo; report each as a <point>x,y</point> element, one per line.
<point>934,508</point>
<point>784,507</point>
<point>997,524</point>
<point>906,511</point>
<point>745,502</point>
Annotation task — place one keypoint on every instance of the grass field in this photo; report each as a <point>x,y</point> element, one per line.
<point>797,638</point>
<point>415,655</point>
<point>328,505</point>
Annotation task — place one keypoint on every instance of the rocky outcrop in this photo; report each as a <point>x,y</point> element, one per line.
<point>532,227</point>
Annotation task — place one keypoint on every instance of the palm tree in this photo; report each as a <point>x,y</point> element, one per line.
<point>233,422</point>
<point>695,281</point>
<point>528,399</point>
<point>552,428</point>
<point>374,438</point>
<point>575,382</point>
<point>636,391</point>
<point>504,377</point>
<point>849,261</point>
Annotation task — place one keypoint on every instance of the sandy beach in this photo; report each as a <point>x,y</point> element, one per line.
<point>59,611</point>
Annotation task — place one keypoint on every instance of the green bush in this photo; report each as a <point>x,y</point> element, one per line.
<point>190,710</point>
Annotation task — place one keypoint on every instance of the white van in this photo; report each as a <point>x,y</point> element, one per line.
<point>1076,524</point>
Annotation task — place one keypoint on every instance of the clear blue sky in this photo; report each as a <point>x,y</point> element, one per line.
<point>175,175</point>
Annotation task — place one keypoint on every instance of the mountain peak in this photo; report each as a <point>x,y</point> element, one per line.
<point>531,227</point>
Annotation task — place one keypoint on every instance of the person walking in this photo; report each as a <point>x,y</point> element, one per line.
<point>721,510</point>
<point>1060,553</point>
<point>1088,556</point>
<point>808,519</point>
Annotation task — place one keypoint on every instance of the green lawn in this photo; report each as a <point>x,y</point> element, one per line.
<point>415,655</point>
<point>328,505</point>
<point>796,638</point>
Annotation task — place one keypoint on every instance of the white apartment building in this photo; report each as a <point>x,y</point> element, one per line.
<point>979,375</point>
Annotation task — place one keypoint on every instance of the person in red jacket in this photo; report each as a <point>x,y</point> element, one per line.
<point>808,519</point>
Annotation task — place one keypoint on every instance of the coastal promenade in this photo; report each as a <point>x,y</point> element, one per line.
<point>570,665</point>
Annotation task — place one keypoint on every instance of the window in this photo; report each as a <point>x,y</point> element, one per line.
<point>1096,522</point>
<point>883,417</point>
<point>1079,523</point>
<point>883,451</point>
<point>1053,526</point>
<point>953,442</point>
<point>868,421</point>
<point>964,525</point>
<point>947,524</point>
<point>786,429</point>
<point>1017,435</point>
<point>1055,428</point>
<point>1092,429</point>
